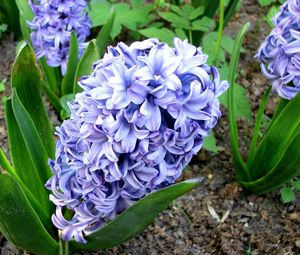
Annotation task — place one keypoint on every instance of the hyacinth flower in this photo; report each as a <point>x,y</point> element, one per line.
<point>53,23</point>
<point>58,34</point>
<point>279,54</point>
<point>271,160</point>
<point>143,112</point>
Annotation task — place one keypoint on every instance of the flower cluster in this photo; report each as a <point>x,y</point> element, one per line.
<point>280,53</point>
<point>53,23</point>
<point>142,115</point>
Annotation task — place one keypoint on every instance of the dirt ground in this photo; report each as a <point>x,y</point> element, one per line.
<point>217,217</point>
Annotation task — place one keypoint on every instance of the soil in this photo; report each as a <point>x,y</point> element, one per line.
<point>218,217</point>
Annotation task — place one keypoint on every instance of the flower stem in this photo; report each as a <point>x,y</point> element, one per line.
<point>63,246</point>
<point>220,30</point>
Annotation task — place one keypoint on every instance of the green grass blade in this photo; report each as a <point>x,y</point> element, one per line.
<point>18,221</point>
<point>135,219</point>
<point>68,80</point>
<point>257,126</point>
<point>85,66</point>
<point>27,80</point>
<point>241,168</point>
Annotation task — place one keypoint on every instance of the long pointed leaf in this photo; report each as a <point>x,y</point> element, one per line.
<point>241,168</point>
<point>27,80</point>
<point>136,218</point>
<point>37,151</point>
<point>104,35</point>
<point>36,205</point>
<point>25,9</point>
<point>68,80</point>
<point>85,66</point>
<point>286,169</point>
<point>22,162</point>
<point>18,221</point>
<point>277,139</point>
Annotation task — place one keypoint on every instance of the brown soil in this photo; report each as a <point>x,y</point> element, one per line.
<point>218,217</point>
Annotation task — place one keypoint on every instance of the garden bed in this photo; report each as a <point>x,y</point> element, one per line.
<point>217,217</point>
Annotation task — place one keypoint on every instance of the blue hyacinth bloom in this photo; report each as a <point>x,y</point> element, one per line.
<point>143,113</point>
<point>280,52</point>
<point>53,23</point>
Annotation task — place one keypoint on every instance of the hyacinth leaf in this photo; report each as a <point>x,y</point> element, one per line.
<point>65,112</point>
<point>85,66</point>
<point>241,168</point>
<point>104,35</point>
<point>287,168</point>
<point>230,10</point>
<point>24,29</point>
<point>257,126</point>
<point>27,80</point>
<point>25,9</point>
<point>68,80</point>
<point>31,138</point>
<point>51,76</point>
<point>275,142</point>
<point>18,221</point>
<point>135,219</point>
<point>23,165</point>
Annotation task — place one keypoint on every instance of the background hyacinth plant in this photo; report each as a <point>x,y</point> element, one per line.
<point>271,160</point>
<point>142,114</point>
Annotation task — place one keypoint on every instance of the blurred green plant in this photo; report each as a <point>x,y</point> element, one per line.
<point>10,16</point>
<point>289,190</point>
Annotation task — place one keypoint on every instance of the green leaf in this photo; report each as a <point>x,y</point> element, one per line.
<point>195,13</point>
<point>241,102</point>
<point>2,86</point>
<point>287,168</point>
<point>175,19</point>
<point>64,103</point>
<point>296,185</point>
<point>104,36</point>
<point>210,143</point>
<point>40,172</point>
<point>130,18</point>
<point>52,75</point>
<point>135,219</point>
<point>68,81</point>
<point>287,195</point>
<point>99,12</point>
<point>22,162</point>
<point>9,9</point>
<point>180,33</point>
<point>242,171</point>
<point>257,126</point>
<point>275,142</point>
<point>24,29</point>
<point>19,223</point>
<point>85,66</point>
<point>27,80</point>
<point>265,2</point>
<point>205,24</point>
<point>163,34</point>
<point>25,9</point>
